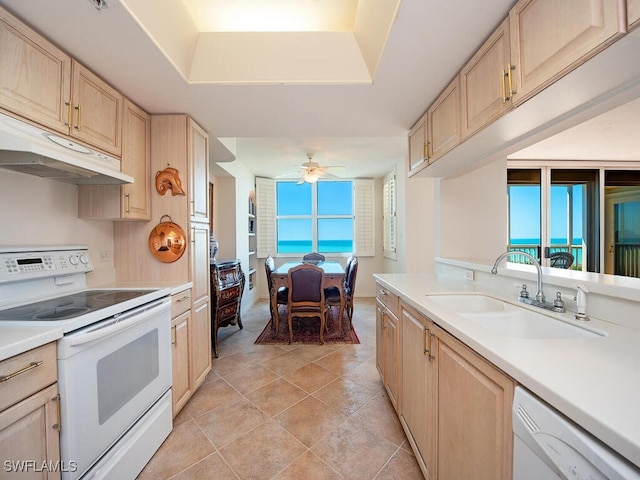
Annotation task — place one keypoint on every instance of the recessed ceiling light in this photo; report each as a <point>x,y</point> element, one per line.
<point>99,4</point>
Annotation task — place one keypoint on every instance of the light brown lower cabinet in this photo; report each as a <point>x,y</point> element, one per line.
<point>182,333</point>
<point>200,343</point>
<point>387,345</point>
<point>190,345</point>
<point>30,415</point>
<point>29,443</point>
<point>455,405</point>
<point>419,388</point>
<point>181,388</point>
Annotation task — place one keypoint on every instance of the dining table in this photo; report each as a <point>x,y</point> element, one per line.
<point>333,277</point>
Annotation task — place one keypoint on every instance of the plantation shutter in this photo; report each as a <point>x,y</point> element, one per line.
<point>266,213</point>
<point>389,215</point>
<point>364,221</point>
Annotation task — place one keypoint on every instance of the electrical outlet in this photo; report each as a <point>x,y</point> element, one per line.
<point>469,275</point>
<point>104,256</point>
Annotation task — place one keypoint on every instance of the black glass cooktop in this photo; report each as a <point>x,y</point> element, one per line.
<point>70,306</point>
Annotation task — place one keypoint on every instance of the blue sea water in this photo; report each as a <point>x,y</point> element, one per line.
<point>306,246</point>
<point>536,241</point>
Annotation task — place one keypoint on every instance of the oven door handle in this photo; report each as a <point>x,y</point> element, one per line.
<point>123,322</point>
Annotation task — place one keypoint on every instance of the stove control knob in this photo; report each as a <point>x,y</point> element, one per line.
<point>73,260</point>
<point>84,259</point>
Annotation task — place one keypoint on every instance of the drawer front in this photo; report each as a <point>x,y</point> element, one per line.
<point>389,299</point>
<point>227,311</point>
<point>229,294</point>
<point>180,302</point>
<point>27,373</point>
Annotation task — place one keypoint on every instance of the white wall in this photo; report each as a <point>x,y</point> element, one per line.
<point>232,198</point>
<point>38,211</point>
<point>224,216</point>
<point>420,235</point>
<point>473,213</point>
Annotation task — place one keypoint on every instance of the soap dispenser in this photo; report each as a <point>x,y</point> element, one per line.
<point>581,303</point>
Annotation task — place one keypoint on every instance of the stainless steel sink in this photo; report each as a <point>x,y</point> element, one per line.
<point>510,320</point>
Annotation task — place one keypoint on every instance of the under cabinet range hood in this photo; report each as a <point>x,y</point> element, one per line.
<point>29,149</point>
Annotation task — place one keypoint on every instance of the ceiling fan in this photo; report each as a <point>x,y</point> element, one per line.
<point>311,171</point>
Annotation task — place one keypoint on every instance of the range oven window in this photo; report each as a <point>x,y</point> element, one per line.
<point>124,373</point>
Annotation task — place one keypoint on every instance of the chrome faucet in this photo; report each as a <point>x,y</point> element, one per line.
<point>556,306</point>
<point>539,293</point>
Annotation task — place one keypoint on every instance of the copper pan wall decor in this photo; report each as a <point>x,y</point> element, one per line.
<point>169,179</point>
<point>167,241</point>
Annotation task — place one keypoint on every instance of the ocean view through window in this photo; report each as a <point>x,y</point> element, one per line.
<point>554,210</point>
<point>314,217</point>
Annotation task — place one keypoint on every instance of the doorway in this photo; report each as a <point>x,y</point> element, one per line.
<point>622,225</point>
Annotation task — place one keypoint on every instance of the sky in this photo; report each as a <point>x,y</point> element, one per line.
<point>525,212</point>
<point>334,198</point>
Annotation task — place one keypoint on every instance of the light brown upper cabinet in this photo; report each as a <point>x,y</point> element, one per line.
<point>443,119</point>
<point>418,147</point>
<point>41,83</point>
<point>130,201</point>
<point>136,161</point>
<point>35,78</point>
<point>633,13</point>
<point>96,111</point>
<point>484,82</point>
<point>199,173</point>
<point>550,38</point>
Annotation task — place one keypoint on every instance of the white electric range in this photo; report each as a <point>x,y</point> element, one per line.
<point>114,360</point>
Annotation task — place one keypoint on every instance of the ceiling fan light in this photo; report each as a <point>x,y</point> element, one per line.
<point>310,177</point>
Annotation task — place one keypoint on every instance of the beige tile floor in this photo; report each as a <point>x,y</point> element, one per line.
<point>288,412</point>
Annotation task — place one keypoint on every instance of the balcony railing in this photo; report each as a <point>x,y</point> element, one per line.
<point>626,263</point>
<point>627,259</point>
<point>533,250</point>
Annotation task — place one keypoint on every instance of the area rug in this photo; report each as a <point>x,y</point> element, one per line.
<point>307,331</point>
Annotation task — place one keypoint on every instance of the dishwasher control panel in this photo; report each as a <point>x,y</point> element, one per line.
<point>548,445</point>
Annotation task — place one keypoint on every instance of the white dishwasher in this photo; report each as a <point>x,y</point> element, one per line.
<point>549,446</point>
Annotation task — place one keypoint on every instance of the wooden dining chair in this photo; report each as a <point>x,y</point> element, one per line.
<point>282,296</point>
<point>332,294</point>
<point>350,289</point>
<point>313,257</point>
<point>306,296</point>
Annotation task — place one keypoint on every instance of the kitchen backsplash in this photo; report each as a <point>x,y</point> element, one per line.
<point>39,211</point>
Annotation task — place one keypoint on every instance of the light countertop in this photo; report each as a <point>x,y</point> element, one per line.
<point>594,381</point>
<point>16,340</point>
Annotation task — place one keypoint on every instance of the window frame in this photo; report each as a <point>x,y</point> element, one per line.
<point>365,217</point>
<point>389,215</point>
<point>315,217</point>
